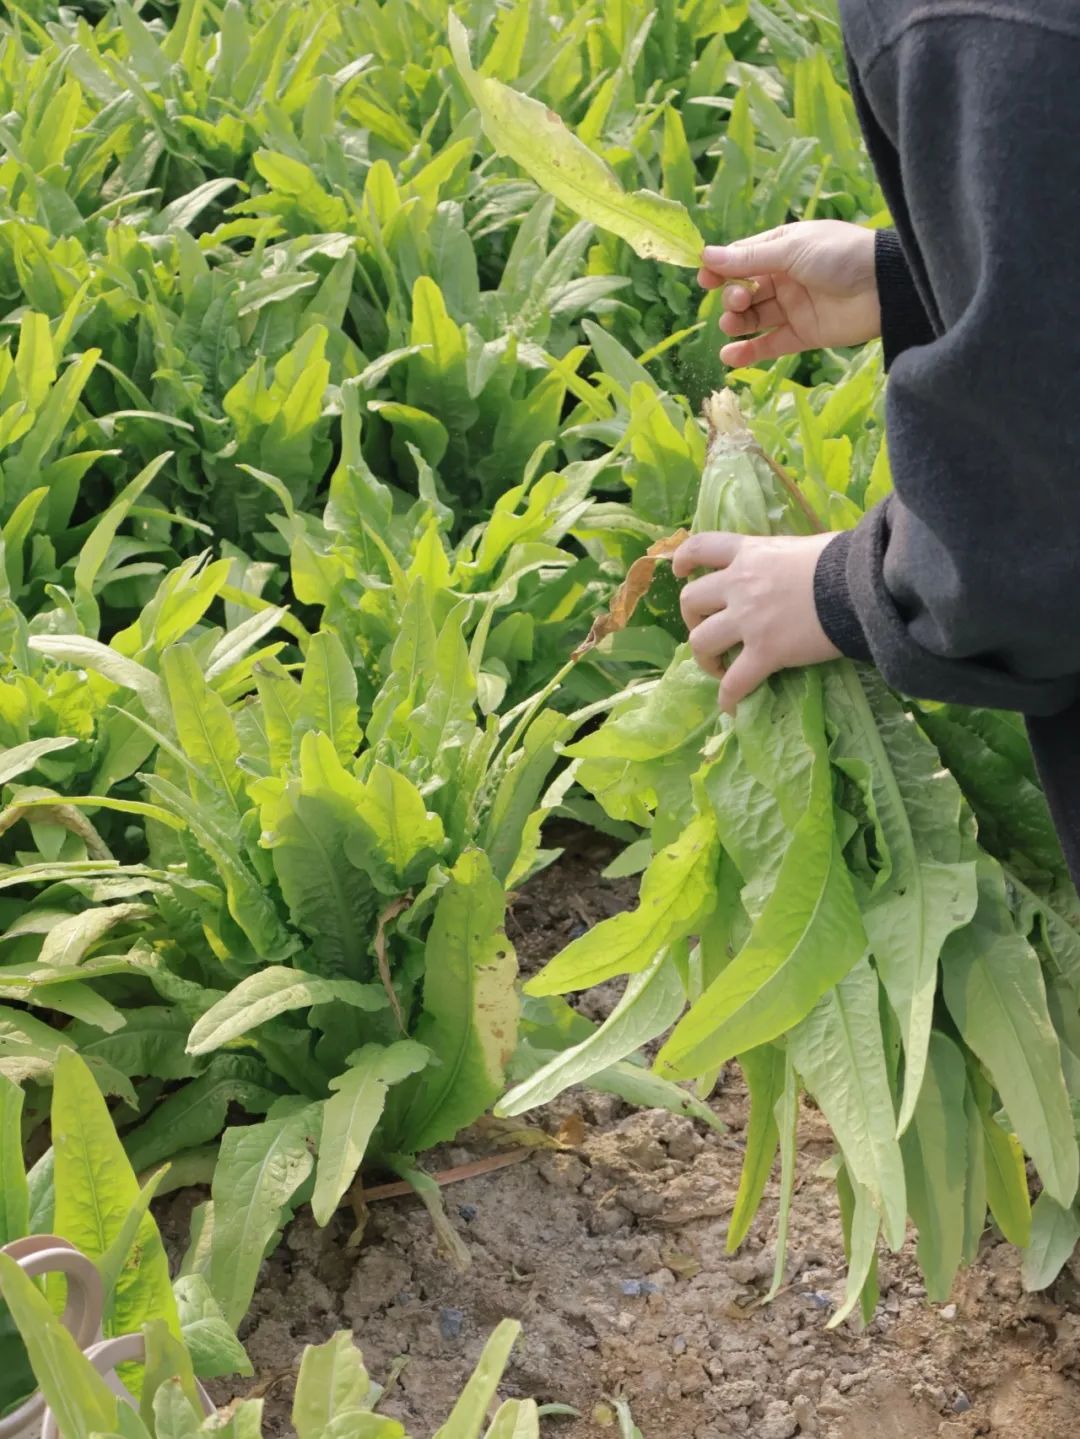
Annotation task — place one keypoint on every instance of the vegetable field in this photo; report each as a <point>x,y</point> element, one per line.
<point>394,935</point>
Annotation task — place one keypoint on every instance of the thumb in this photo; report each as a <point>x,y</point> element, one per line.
<point>760,255</point>
<point>745,673</point>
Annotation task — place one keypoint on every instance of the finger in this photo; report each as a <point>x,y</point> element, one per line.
<point>762,316</point>
<point>743,677</point>
<point>783,341</point>
<point>712,639</point>
<point>713,550</point>
<point>767,254</point>
<point>702,598</point>
<point>739,296</point>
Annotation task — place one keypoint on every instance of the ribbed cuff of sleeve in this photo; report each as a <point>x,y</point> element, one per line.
<point>832,599</point>
<point>904,321</point>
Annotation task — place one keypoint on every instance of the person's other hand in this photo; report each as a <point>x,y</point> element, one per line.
<point>760,595</point>
<point>816,286</point>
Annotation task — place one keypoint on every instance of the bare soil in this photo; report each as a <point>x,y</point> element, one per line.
<point>611,1252</point>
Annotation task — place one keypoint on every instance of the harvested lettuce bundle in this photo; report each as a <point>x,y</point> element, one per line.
<point>820,906</point>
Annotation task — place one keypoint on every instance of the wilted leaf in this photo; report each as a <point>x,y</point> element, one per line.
<point>630,593</point>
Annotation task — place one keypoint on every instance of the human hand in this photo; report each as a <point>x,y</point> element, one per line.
<point>760,595</point>
<point>816,286</point>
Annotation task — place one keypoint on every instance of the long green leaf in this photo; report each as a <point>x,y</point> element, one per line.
<point>996,994</point>
<point>272,991</point>
<point>327,700</point>
<point>351,1114</point>
<point>536,139</point>
<point>839,1053</point>
<point>203,724</point>
<point>95,548</point>
<point>862,1222</point>
<point>764,1070</point>
<point>929,887</point>
<point>77,1395</point>
<point>470,1015</point>
<point>96,1191</point>
<point>807,933</point>
<point>935,1162</point>
<point>1006,1172</point>
<point>470,1412</point>
<point>652,1002</point>
<point>14,1189</point>
<point>1054,1235</point>
<point>21,757</point>
<point>259,1170</point>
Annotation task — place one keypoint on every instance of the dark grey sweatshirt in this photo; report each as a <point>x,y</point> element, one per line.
<point>965,584</point>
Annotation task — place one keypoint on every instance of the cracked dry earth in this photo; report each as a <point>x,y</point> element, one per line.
<point>611,1253</point>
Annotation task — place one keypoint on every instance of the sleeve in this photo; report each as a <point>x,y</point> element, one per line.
<point>904,321</point>
<point>964,585</point>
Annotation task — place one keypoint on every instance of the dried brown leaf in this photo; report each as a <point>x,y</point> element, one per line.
<point>631,592</point>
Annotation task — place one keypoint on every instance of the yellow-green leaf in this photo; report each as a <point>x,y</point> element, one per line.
<point>537,140</point>
<point>677,889</point>
<point>470,1008</point>
<point>96,1189</point>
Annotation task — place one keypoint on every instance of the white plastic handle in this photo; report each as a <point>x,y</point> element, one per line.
<point>105,1356</point>
<point>40,1254</point>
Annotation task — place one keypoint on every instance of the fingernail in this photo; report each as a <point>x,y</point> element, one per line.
<point>714,254</point>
